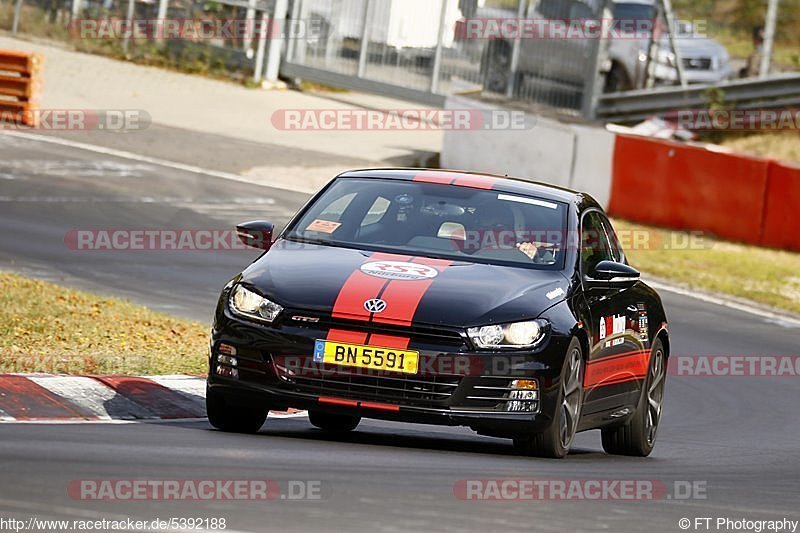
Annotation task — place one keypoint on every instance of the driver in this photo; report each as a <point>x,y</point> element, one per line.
<point>501,225</point>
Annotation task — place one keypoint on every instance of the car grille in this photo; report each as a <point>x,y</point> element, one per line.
<point>697,63</point>
<point>418,334</point>
<point>423,391</point>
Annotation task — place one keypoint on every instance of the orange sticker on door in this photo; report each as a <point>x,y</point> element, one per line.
<point>323,226</point>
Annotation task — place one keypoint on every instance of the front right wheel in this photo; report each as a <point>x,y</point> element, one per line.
<point>638,436</point>
<point>333,423</point>
<point>556,440</point>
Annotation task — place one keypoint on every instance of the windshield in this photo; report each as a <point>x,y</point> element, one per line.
<point>633,11</point>
<point>433,220</point>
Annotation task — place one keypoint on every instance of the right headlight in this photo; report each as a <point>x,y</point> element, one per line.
<point>516,335</point>
<point>247,303</point>
<point>666,57</point>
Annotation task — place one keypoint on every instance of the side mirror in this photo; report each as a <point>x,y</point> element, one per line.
<point>611,274</point>
<point>256,234</point>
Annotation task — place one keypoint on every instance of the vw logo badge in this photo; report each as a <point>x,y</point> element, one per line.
<point>375,306</point>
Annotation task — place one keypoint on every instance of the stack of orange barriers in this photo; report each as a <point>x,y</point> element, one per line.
<point>20,86</point>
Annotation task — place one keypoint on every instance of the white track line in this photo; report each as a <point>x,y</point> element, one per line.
<point>146,159</point>
<point>89,393</point>
<point>730,304</point>
<point>192,388</point>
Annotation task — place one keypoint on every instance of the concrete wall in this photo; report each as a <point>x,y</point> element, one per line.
<point>578,157</point>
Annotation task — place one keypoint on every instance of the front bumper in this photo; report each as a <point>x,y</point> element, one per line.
<point>454,386</point>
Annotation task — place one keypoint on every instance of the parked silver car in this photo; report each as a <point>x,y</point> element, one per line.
<point>565,61</point>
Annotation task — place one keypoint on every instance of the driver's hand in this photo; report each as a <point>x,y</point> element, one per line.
<point>528,248</point>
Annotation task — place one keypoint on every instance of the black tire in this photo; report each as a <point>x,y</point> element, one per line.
<point>496,67</point>
<point>555,441</point>
<point>617,80</point>
<point>333,423</point>
<point>638,437</point>
<point>232,418</point>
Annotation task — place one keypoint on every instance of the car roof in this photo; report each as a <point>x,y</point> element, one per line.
<point>475,180</point>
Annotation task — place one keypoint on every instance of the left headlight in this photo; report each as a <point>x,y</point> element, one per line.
<point>246,303</point>
<point>516,335</point>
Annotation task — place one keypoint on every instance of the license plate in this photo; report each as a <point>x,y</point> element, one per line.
<point>362,356</point>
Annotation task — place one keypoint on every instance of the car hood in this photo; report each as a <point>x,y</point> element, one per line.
<point>695,47</point>
<point>338,281</point>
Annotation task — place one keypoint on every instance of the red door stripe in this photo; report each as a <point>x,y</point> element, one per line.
<point>617,369</point>
<point>23,399</point>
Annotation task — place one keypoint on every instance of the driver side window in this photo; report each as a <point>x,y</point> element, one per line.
<point>594,243</point>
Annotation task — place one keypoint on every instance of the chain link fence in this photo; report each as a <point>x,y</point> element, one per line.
<point>572,51</point>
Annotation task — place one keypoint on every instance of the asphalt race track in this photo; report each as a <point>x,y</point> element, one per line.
<point>735,438</point>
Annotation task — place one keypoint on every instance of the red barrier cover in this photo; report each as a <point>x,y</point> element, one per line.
<point>782,206</point>
<point>679,186</point>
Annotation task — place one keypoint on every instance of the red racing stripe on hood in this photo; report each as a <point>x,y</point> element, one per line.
<point>403,297</point>
<point>361,287</point>
<point>348,337</point>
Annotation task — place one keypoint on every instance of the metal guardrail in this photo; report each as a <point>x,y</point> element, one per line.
<point>778,92</point>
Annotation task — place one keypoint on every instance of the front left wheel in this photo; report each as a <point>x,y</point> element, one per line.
<point>228,416</point>
<point>638,436</point>
<point>556,440</point>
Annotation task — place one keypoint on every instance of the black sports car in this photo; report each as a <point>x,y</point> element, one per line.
<point>445,298</point>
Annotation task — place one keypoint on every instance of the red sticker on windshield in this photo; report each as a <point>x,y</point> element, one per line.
<point>323,226</point>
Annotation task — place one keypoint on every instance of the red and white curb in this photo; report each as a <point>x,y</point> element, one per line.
<point>49,398</point>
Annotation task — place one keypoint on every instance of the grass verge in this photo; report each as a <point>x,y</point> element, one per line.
<point>770,277</point>
<point>783,145</point>
<point>48,328</point>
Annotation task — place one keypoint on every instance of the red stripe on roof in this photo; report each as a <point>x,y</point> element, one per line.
<point>476,182</point>
<point>435,176</point>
